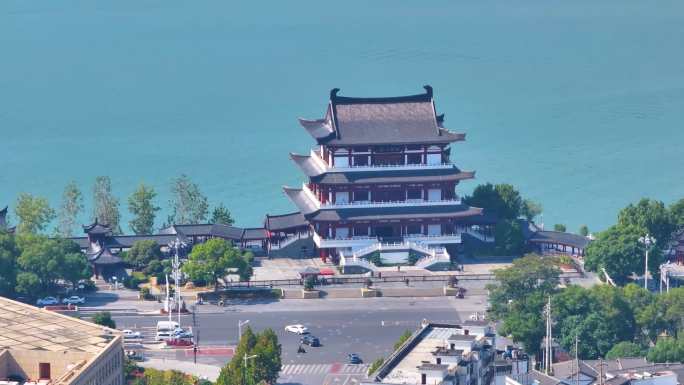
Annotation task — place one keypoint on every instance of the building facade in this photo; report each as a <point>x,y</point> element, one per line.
<point>381,180</point>
<point>41,346</point>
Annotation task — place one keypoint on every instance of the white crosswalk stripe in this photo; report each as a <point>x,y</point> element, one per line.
<point>301,369</point>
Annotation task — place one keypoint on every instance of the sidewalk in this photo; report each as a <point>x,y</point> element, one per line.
<point>208,372</point>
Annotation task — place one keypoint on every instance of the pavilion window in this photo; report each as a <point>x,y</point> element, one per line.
<point>414,229</point>
<point>414,194</point>
<point>434,159</point>
<point>341,197</point>
<point>361,230</point>
<point>342,232</point>
<point>361,196</point>
<point>341,161</point>
<point>434,194</point>
<point>435,229</point>
<point>360,160</point>
<point>414,158</point>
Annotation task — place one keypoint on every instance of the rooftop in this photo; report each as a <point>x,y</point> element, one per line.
<point>27,327</point>
<point>568,239</point>
<point>387,120</point>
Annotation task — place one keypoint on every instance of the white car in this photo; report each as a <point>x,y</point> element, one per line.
<point>47,301</point>
<point>74,299</point>
<point>181,333</point>
<point>298,329</point>
<point>130,334</point>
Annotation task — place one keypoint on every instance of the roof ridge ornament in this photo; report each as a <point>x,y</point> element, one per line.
<point>428,90</point>
<point>333,93</point>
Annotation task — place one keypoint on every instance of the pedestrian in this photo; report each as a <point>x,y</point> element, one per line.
<point>407,281</point>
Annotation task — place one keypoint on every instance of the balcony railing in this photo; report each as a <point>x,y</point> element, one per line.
<point>372,204</point>
<point>371,167</point>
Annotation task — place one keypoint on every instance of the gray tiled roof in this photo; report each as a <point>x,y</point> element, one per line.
<point>392,120</point>
<point>406,212</point>
<point>254,233</point>
<point>568,239</point>
<point>285,221</point>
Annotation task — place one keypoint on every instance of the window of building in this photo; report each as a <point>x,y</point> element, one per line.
<point>342,161</point>
<point>434,194</point>
<point>361,230</point>
<point>414,158</point>
<point>341,197</point>
<point>413,229</point>
<point>360,160</point>
<point>361,196</point>
<point>342,232</point>
<point>44,371</point>
<point>414,194</point>
<point>434,229</point>
<point>434,159</point>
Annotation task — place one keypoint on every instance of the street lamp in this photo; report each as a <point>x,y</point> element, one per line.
<point>647,240</point>
<point>240,325</point>
<point>244,368</point>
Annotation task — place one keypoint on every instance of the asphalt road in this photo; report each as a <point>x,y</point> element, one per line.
<point>368,327</point>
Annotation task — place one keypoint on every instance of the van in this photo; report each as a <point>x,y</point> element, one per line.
<point>165,330</point>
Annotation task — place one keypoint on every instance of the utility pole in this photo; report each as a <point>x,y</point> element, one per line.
<point>547,354</point>
<point>168,299</point>
<point>577,359</point>
<point>647,240</point>
<point>244,368</point>
<point>240,325</point>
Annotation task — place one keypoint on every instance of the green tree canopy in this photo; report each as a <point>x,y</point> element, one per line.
<point>104,318</point>
<point>106,205</point>
<point>508,238</point>
<point>9,252</point>
<point>667,349</point>
<point>530,209</point>
<point>619,251</point>
<point>72,206</point>
<point>559,227</point>
<point>501,200</point>
<point>141,205</point>
<point>188,204</point>
<point>142,253</point>
<point>625,349</point>
<point>263,368</point>
<point>211,260</point>
<point>651,216</point>
<point>34,213</point>
<point>583,231</point>
<point>221,215</point>
<point>677,213</point>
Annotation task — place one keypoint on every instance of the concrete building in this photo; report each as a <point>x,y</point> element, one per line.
<point>442,354</point>
<point>38,346</point>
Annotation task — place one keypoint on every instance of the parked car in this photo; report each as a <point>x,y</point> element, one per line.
<point>135,355</point>
<point>181,333</point>
<point>310,340</point>
<point>298,329</point>
<point>47,301</point>
<point>178,342</point>
<point>73,300</point>
<point>354,358</point>
<point>130,334</point>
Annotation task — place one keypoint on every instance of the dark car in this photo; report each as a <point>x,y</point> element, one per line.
<point>311,341</point>
<point>354,358</point>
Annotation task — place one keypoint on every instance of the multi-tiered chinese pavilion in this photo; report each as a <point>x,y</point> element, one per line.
<point>381,182</point>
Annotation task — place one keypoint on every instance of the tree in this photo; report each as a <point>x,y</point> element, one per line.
<point>668,349</point>
<point>188,204</point>
<point>106,206</point>
<point>625,349</point>
<point>8,264</point>
<point>530,209</point>
<point>403,338</point>
<point>651,216</point>
<point>41,257</point>
<point>72,205</point>
<point>501,200</point>
<point>141,205</point>
<point>559,227</point>
<point>34,213</point>
<point>677,213</point>
<point>619,251</point>
<point>263,368</point>
<point>142,253</point>
<point>221,215</point>
<point>211,260</point>
<point>104,318</point>
<point>524,323</point>
<point>75,268</point>
<point>509,238</point>
<point>584,231</point>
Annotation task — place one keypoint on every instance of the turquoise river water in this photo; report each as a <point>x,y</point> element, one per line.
<point>580,104</point>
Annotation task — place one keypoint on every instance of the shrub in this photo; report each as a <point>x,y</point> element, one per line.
<point>309,283</point>
<point>375,365</point>
<point>135,279</point>
<point>145,293</point>
<point>407,334</point>
<point>375,259</point>
<point>413,257</point>
<point>104,318</point>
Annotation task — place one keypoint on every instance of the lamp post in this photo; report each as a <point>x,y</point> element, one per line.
<point>647,240</point>
<point>244,368</point>
<point>240,325</point>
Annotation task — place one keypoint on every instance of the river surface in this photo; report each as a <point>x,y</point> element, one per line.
<point>580,104</point>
